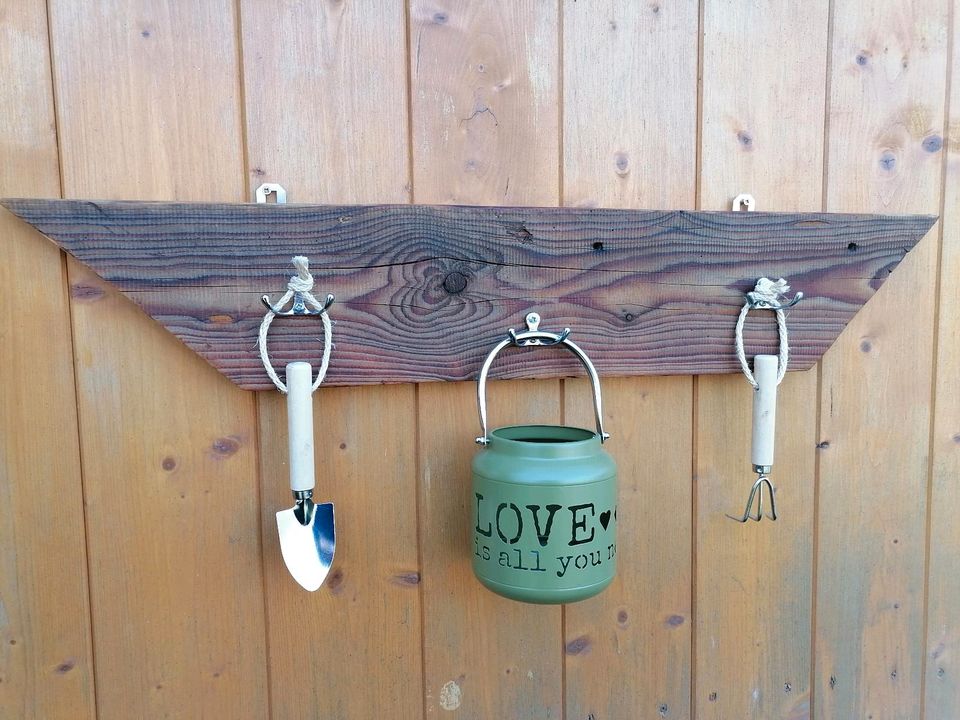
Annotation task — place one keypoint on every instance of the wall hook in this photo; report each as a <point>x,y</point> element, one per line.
<point>298,306</point>
<point>759,303</point>
<point>533,336</point>
<point>744,200</point>
<point>267,189</point>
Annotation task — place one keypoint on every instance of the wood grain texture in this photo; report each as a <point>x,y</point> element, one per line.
<point>425,290</point>
<point>352,649</point>
<point>484,102</point>
<point>168,445</point>
<point>942,676</point>
<point>886,105</point>
<point>325,90</point>
<point>484,656</point>
<point>628,649</point>
<point>754,581</point>
<point>46,661</point>
<point>629,133</point>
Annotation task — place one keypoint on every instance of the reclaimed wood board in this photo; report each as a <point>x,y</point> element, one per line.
<point>425,291</point>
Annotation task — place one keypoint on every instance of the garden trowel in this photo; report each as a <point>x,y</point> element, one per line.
<point>307,538</point>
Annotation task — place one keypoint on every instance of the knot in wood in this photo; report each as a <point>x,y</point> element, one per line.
<point>455,282</point>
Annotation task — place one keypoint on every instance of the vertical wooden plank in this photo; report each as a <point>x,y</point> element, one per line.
<point>326,101</point>
<point>942,677</point>
<point>761,134</point>
<point>886,113</point>
<point>484,656</point>
<point>628,649</point>
<point>332,127</point>
<point>46,663</point>
<point>628,133</point>
<point>352,649</point>
<point>147,101</point>
<point>484,97</point>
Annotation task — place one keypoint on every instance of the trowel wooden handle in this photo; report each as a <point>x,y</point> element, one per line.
<point>300,425</point>
<point>764,409</point>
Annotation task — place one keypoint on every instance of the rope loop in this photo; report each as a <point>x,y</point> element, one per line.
<point>300,286</point>
<point>765,296</point>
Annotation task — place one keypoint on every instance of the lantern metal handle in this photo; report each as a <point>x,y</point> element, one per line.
<point>533,336</point>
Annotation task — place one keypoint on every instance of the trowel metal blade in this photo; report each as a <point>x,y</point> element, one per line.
<point>308,549</point>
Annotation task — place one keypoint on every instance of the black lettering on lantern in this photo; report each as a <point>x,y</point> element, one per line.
<point>489,531</point>
<point>543,536</point>
<point>516,538</point>
<point>581,523</point>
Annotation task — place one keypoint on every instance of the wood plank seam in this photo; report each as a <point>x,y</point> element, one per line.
<point>935,359</point>
<point>83,482</point>
<point>65,270</point>
<point>824,175</point>
<point>695,387</point>
<point>418,461</point>
<point>245,167</point>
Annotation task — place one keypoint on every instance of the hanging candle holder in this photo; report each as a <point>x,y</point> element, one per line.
<point>544,497</point>
<point>767,373</point>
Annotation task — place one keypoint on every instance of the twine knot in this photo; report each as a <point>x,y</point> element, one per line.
<point>303,281</point>
<point>768,292</point>
<point>298,288</point>
<point>765,296</point>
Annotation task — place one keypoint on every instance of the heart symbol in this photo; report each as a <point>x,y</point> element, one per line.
<point>605,519</point>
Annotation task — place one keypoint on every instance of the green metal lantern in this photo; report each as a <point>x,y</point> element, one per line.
<point>544,498</point>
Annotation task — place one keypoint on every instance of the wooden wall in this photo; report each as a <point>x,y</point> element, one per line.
<point>140,574</point>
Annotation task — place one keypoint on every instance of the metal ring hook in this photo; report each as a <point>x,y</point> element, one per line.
<point>759,304</point>
<point>557,339</point>
<point>302,303</point>
<point>298,306</point>
<point>533,336</point>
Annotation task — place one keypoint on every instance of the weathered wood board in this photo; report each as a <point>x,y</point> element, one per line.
<point>426,290</point>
